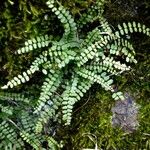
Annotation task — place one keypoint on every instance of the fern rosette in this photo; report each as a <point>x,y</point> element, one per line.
<point>71,65</point>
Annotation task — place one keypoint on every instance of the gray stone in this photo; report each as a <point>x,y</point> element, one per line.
<point>125,114</point>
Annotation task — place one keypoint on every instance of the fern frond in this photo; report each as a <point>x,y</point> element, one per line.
<point>103,79</point>
<point>49,86</point>
<point>27,75</point>
<point>35,43</point>
<point>109,62</point>
<point>11,146</point>
<point>131,27</point>
<point>17,97</point>
<point>118,95</point>
<point>122,47</point>
<point>53,145</point>
<point>93,13</point>
<point>91,37</point>
<point>105,27</point>
<point>89,53</point>
<point>7,133</point>
<point>27,132</point>
<point>65,18</point>
<point>27,122</point>
<point>31,139</point>
<point>73,93</point>
<point>48,112</point>
<point>62,53</point>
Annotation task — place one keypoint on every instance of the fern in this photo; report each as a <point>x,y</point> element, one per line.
<point>8,136</point>
<point>16,130</point>
<point>30,45</point>
<point>93,13</point>
<point>71,65</point>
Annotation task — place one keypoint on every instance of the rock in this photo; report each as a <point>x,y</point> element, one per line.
<point>125,114</point>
